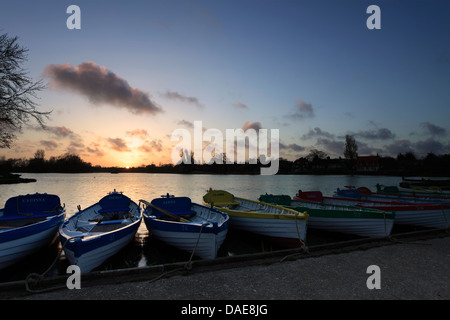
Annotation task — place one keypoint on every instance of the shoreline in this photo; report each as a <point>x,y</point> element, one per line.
<point>259,271</point>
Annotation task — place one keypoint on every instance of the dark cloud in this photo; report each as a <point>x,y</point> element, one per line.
<point>292,146</point>
<point>75,147</point>
<point>118,144</point>
<point>434,130</point>
<point>365,149</point>
<point>59,132</point>
<point>94,149</point>
<point>317,132</point>
<point>186,123</point>
<point>150,146</point>
<point>49,144</point>
<point>141,133</point>
<point>240,105</point>
<point>252,125</point>
<point>178,96</point>
<point>332,146</point>
<point>399,146</point>
<point>302,110</point>
<point>101,86</point>
<point>429,145</point>
<point>379,134</point>
<point>420,148</point>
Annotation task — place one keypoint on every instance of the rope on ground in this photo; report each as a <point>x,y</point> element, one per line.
<point>33,279</point>
<point>187,265</point>
<point>445,219</point>
<point>303,248</point>
<point>390,238</point>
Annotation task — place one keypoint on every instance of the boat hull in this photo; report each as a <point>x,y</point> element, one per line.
<point>91,252</point>
<point>100,231</point>
<point>273,221</point>
<point>285,230</point>
<point>16,244</point>
<point>427,215</point>
<point>205,244</point>
<point>365,194</point>
<point>339,218</point>
<point>422,215</point>
<point>373,228</point>
<point>203,234</point>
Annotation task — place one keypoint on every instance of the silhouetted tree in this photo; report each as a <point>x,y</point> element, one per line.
<point>17,91</point>
<point>351,148</point>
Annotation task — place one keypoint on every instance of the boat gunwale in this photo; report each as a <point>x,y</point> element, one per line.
<point>206,227</point>
<point>290,215</point>
<point>92,236</point>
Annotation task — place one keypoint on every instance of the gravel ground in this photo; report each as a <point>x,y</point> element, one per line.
<point>416,271</point>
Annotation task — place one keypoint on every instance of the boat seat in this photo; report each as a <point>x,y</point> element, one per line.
<point>118,221</point>
<point>220,198</point>
<point>114,203</point>
<point>32,205</point>
<point>180,206</point>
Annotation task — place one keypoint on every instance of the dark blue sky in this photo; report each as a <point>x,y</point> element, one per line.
<point>309,68</point>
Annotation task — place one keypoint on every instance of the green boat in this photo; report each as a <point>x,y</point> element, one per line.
<point>364,222</point>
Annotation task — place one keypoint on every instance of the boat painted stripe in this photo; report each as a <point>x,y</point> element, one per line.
<point>192,227</point>
<point>278,228</point>
<point>302,216</point>
<point>7,235</point>
<point>359,213</point>
<point>81,246</point>
<point>16,250</point>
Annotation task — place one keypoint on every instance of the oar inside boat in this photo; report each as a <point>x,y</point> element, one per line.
<point>167,213</point>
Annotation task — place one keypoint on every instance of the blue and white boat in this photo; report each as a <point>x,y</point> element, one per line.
<point>98,232</point>
<point>186,225</point>
<point>27,224</point>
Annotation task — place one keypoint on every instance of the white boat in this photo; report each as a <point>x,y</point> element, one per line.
<point>348,219</point>
<point>186,225</point>
<point>98,232</point>
<point>27,224</point>
<point>284,225</point>
<point>430,215</point>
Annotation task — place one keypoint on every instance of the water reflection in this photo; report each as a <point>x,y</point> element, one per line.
<point>86,189</point>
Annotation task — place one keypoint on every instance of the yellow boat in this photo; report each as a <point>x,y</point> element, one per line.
<point>277,222</point>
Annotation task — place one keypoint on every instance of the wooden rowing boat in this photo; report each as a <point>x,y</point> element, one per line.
<point>430,215</point>
<point>346,219</point>
<point>279,223</point>
<point>186,225</point>
<point>100,231</point>
<point>28,223</point>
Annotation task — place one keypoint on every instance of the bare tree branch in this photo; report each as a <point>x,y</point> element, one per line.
<point>17,92</point>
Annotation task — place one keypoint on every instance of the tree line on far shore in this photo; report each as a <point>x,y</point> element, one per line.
<point>316,162</point>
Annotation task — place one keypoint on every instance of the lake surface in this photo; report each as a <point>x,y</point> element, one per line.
<point>86,189</point>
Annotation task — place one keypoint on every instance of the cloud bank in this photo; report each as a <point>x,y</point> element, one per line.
<point>101,86</point>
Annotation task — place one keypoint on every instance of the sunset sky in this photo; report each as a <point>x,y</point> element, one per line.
<point>137,70</point>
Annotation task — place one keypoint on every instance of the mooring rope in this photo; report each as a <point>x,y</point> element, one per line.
<point>303,248</point>
<point>35,278</point>
<point>445,218</point>
<point>188,265</point>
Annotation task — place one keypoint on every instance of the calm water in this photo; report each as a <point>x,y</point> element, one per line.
<point>86,189</point>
